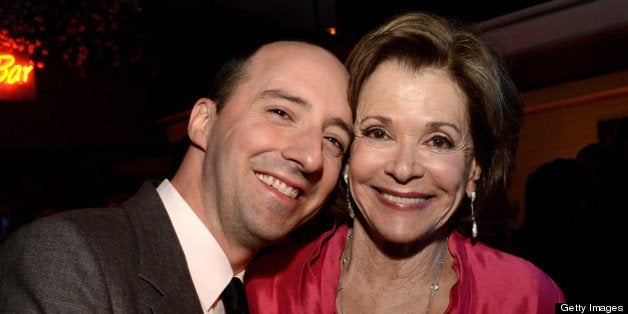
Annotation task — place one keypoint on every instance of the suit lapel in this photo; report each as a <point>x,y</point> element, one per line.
<point>162,263</point>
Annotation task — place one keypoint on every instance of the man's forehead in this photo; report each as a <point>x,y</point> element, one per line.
<point>313,77</point>
<point>298,53</point>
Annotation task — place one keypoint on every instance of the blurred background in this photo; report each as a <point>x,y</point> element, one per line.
<point>112,81</point>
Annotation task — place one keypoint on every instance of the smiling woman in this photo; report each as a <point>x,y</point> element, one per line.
<point>436,127</point>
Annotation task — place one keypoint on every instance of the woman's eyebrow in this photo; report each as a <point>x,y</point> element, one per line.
<point>382,119</point>
<point>439,124</point>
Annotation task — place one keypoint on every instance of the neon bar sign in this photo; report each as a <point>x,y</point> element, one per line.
<point>17,78</point>
<point>11,73</point>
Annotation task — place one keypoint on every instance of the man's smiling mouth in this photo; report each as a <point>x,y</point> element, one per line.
<point>278,185</point>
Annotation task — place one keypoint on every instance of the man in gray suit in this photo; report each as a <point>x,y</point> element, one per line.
<point>267,146</point>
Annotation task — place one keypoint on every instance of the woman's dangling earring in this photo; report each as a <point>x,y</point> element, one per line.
<point>345,177</point>
<point>474,226</point>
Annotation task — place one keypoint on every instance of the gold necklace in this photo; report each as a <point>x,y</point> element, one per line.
<point>433,288</point>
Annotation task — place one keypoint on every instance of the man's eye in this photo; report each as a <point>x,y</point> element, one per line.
<point>339,148</point>
<point>280,113</point>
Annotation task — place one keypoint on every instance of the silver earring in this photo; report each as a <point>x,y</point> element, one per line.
<point>474,226</point>
<point>349,206</point>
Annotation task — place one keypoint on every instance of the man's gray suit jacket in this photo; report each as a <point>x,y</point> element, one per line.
<point>108,260</point>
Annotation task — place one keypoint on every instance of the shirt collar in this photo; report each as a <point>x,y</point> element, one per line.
<point>208,264</point>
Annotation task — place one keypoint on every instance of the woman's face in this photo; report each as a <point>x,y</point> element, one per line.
<point>412,158</point>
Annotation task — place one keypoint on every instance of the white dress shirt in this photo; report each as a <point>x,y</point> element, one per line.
<point>208,264</point>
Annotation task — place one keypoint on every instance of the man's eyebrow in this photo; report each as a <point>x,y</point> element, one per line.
<point>277,93</point>
<point>343,125</point>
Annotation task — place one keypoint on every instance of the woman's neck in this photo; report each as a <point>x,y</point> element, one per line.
<point>400,282</point>
<point>369,256</point>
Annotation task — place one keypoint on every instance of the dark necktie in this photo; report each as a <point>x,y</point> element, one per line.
<point>234,298</point>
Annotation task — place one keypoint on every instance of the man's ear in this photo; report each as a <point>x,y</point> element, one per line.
<point>201,119</point>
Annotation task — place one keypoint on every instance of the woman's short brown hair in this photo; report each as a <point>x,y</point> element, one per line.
<point>420,40</point>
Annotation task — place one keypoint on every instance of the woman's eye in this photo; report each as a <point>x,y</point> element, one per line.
<point>441,142</point>
<point>375,133</point>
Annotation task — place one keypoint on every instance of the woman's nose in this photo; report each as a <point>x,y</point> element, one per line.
<point>405,163</point>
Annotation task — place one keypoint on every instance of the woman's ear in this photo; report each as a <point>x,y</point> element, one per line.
<point>474,175</point>
<point>201,119</point>
<point>345,174</point>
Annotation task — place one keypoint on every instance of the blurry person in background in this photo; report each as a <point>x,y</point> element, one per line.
<point>577,205</point>
<point>559,202</point>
